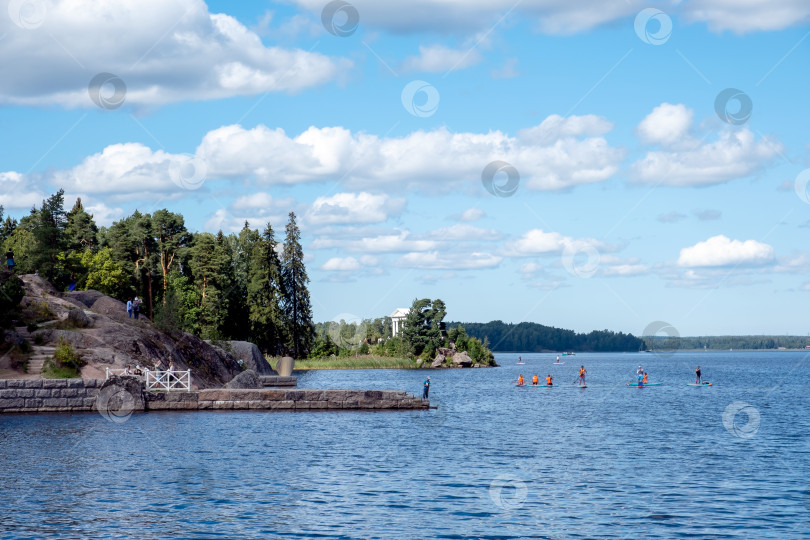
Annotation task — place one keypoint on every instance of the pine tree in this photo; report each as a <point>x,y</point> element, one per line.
<point>297,305</point>
<point>49,233</point>
<point>264,295</point>
<point>171,236</point>
<point>81,231</point>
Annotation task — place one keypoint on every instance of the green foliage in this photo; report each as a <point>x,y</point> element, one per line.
<point>265,295</point>
<point>532,337</point>
<point>65,364</point>
<point>50,239</point>
<point>423,325</point>
<point>103,273</point>
<point>725,343</point>
<point>171,237</point>
<point>297,305</point>
<point>11,293</point>
<point>214,286</point>
<point>23,244</point>
<point>80,230</point>
<point>478,351</point>
<point>323,347</point>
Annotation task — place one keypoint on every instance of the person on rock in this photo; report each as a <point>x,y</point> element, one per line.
<point>426,389</point>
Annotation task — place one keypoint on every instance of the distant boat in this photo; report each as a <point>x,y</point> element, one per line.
<point>569,354</point>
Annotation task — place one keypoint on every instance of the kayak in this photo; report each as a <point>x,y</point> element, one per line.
<point>643,384</point>
<point>701,384</point>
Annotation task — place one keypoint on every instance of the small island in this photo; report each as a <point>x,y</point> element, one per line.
<point>407,339</point>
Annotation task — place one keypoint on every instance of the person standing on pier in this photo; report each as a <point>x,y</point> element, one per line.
<point>426,389</point>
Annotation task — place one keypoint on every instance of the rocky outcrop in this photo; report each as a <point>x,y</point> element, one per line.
<point>247,380</point>
<point>462,359</point>
<point>452,358</point>
<point>438,361</point>
<point>78,319</point>
<point>99,330</point>
<point>247,354</point>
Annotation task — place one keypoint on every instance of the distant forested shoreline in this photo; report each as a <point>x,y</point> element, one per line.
<point>534,337</point>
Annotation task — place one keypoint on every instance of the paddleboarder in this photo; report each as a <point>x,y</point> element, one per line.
<point>534,380</point>
<point>520,379</point>
<point>548,380</point>
<point>582,373</point>
<point>697,376</point>
<point>645,378</point>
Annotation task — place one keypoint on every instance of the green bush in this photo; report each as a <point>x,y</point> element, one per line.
<point>65,364</point>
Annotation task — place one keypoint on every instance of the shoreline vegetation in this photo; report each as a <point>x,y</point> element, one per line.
<point>365,361</point>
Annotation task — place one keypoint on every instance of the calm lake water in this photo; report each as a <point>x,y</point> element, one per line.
<point>493,461</point>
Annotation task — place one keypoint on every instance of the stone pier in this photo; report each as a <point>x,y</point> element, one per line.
<point>75,395</point>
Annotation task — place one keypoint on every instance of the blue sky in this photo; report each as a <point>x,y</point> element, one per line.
<point>637,194</point>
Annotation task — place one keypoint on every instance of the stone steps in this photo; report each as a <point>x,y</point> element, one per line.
<point>37,359</point>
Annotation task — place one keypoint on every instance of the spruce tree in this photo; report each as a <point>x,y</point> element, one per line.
<point>264,295</point>
<point>241,247</point>
<point>297,305</point>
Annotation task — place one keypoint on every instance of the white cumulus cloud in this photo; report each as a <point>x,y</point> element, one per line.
<point>721,251</point>
<point>162,51</point>
<point>666,124</point>
<point>354,208</point>
<point>686,161</point>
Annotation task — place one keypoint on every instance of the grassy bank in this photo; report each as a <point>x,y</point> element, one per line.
<point>369,361</point>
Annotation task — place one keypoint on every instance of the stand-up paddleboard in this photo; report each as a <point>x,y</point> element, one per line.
<point>701,384</point>
<point>558,363</point>
<point>521,363</point>
<point>644,384</point>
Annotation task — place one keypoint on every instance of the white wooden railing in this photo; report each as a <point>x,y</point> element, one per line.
<point>115,372</point>
<point>168,380</point>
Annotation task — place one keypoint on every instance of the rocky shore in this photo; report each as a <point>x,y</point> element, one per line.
<point>451,358</point>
